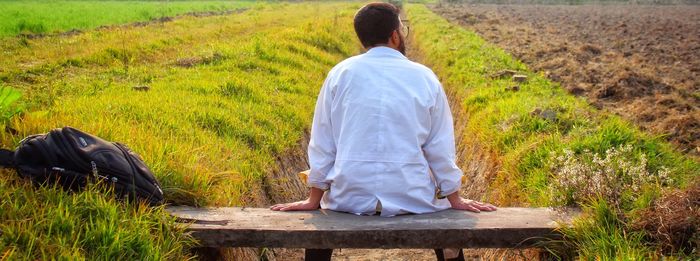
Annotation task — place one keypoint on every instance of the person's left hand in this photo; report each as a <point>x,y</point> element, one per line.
<point>460,203</point>
<point>472,205</point>
<point>299,205</point>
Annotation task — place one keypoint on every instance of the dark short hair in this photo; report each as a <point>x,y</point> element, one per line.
<point>375,22</point>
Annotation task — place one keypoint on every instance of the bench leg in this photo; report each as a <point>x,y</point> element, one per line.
<point>441,256</point>
<point>318,254</point>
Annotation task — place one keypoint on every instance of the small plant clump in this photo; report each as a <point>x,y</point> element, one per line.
<point>618,177</point>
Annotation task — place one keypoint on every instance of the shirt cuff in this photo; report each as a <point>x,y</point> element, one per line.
<point>317,184</point>
<point>447,188</point>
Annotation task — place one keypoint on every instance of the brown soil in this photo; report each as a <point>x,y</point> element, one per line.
<point>420,254</point>
<point>641,62</point>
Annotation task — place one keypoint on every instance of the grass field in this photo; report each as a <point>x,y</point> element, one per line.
<point>529,129</point>
<point>41,17</point>
<point>227,94</point>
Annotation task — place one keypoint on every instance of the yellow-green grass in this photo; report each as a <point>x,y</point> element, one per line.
<point>48,224</point>
<point>41,17</point>
<point>508,124</point>
<point>227,94</point>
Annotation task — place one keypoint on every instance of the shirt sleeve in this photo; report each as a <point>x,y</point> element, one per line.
<point>439,148</point>
<point>322,148</point>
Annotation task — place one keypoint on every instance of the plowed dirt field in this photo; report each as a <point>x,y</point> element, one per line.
<point>641,62</point>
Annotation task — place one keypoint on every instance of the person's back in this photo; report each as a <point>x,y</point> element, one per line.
<point>383,115</point>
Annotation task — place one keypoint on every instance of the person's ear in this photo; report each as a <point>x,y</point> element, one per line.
<point>395,39</point>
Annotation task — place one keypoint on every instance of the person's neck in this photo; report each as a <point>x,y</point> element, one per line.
<point>385,45</point>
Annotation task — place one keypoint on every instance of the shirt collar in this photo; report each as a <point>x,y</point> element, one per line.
<point>385,51</point>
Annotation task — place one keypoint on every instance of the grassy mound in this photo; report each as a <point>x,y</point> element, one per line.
<point>552,149</point>
<point>207,102</point>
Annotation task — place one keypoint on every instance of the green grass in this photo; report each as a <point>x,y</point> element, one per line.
<point>228,94</point>
<point>510,125</point>
<point>602,235</point>
<point>48,224</point>
<point>41,17</point>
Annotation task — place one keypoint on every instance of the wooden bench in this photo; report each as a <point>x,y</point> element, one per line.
<point>259,227</point>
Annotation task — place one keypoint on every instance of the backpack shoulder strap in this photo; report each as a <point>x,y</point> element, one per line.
<point>7,158</point>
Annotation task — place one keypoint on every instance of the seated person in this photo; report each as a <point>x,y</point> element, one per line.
<point>382,138</point>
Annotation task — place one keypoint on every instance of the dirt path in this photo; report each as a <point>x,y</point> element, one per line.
<point>415,255</point>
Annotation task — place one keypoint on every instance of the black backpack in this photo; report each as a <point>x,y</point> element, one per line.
<point>73,158</point>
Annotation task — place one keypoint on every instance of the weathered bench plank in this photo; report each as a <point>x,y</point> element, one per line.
<point>257,227</point>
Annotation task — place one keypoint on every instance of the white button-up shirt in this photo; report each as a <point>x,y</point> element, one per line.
<point>382,133</point>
